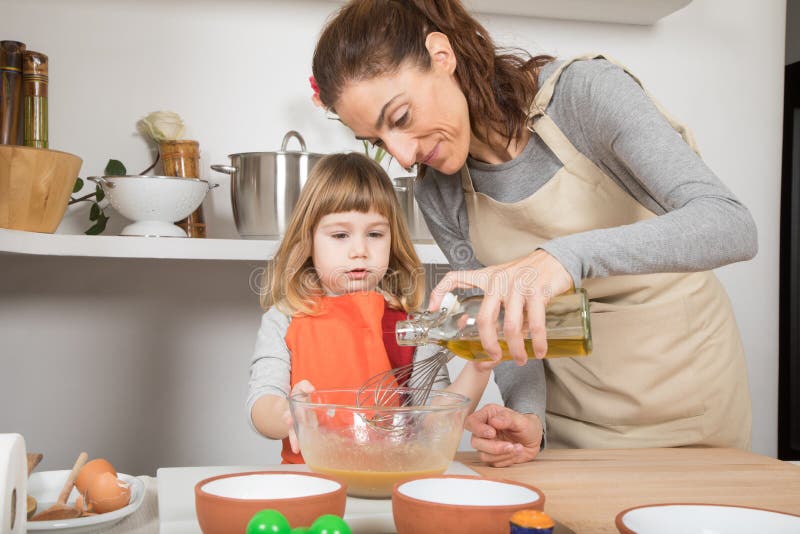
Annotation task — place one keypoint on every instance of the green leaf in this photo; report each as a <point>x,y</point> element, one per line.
<point>99,226</point>
<point>99,193</point>
<point>78,185</point>
<point>94,230</point>
<point>94,212</point>
<point>114,167</point>
<point>379,155</point>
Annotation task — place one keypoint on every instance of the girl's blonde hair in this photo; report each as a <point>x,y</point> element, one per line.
<point>339,183</point>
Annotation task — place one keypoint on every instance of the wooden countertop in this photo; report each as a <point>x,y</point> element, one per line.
<point>586,488</point>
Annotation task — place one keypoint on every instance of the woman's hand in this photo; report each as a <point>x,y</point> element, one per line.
<point>525,284</point>
<point>304,386</point>
<point>504,437</point>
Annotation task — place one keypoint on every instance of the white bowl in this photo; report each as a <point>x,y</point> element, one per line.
<point>154,203</point>
<point>704,519</point>
<point>45,486</point>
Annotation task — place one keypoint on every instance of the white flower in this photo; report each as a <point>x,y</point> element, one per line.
<point>162,126</point>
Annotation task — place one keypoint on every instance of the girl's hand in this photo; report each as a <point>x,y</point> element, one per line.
<point>304,386</point>
<point>527,284</point>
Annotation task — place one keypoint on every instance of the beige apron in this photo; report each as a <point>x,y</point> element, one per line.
<point>667,367</point>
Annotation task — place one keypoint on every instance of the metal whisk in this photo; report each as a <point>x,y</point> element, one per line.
<point>404,386</point>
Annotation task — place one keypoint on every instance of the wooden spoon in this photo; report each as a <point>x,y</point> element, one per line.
<point>61,510</point>
<point>31,506</point>
<point>33,461</point>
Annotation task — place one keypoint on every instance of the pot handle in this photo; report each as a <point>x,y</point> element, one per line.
<point>101,180</point>
<point>226,169</point>
<point>289,135</point>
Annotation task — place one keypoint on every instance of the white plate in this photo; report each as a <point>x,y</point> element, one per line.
<point>45,486</point>
<point>705,519</point>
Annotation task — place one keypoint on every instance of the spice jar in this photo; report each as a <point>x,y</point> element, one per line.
<point>182,158</point>
<point>34,91</point>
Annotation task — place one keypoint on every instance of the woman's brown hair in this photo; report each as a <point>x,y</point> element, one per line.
<point>340,183</point>
<point>369,38</point>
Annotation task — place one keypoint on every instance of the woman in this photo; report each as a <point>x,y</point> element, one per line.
<point>554,175</point>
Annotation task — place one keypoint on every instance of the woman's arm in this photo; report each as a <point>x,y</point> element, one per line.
<point>700,224</point>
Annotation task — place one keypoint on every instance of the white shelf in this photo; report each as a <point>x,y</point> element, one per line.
<point>642,12</point>
<point>19,242</point>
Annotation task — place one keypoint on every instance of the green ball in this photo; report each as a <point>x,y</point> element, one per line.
<point>268,521</point>
<point>329,524</point>
<point>300,530</point>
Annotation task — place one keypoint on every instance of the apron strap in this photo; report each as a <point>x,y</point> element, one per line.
<point>554,138</point>
<point>466,180</point>
<point>545,95</point>
<point>551,134</point>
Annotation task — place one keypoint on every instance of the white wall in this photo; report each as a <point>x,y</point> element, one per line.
<point>792,31</point>
<point>145,362</point>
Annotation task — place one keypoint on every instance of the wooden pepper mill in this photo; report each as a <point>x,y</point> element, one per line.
<point>34,89</point>
<point>182,158</point>
<point>11,53</point>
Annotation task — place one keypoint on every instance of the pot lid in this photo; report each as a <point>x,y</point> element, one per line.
<point>286,138</point>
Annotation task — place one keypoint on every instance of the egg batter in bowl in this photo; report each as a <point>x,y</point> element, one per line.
<point>336,438</point>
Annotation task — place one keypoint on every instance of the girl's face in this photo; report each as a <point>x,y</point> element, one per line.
<point>417,116</point>
<point>351,251</point>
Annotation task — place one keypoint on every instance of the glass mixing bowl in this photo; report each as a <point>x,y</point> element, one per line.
<point>370,447</point>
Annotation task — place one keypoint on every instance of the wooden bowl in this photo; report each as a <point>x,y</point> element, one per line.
<point>35,185</point>
<point>226,503</point>
<point>456,504</point>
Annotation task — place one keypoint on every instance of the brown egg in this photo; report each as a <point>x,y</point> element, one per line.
<point>79,504</point>
<point>90,470</point>
<point>107,493</point>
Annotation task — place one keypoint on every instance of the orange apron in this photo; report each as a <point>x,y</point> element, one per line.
<point>342,346</point>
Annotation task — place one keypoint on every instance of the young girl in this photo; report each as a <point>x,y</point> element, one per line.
<point>344,274</point>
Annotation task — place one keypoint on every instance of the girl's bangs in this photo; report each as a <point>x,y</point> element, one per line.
<point>361,193</point>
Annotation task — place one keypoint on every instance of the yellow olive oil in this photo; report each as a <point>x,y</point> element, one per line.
<point>567,325</point>
<point>471,349</point>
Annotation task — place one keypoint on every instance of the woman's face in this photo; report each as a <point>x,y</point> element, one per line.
<point>417,116</point>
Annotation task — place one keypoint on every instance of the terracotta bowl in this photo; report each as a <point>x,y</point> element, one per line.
<point>226,503</point>
<point>35,186</point>
<point>451,504</point>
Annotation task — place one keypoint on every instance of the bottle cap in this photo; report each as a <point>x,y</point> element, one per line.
<point>410,333</point>
<point>531,522</point>
<point>450,304</point>
<point>34,65</point>
<point>11,55</point>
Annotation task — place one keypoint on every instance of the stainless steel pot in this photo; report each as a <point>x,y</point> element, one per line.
<point>404,188</point>
<point>265,187</point>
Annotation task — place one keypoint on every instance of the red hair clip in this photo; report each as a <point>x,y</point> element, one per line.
<point>315,97</point>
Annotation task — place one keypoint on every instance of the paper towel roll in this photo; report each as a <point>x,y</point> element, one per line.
<point>13,484</point>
